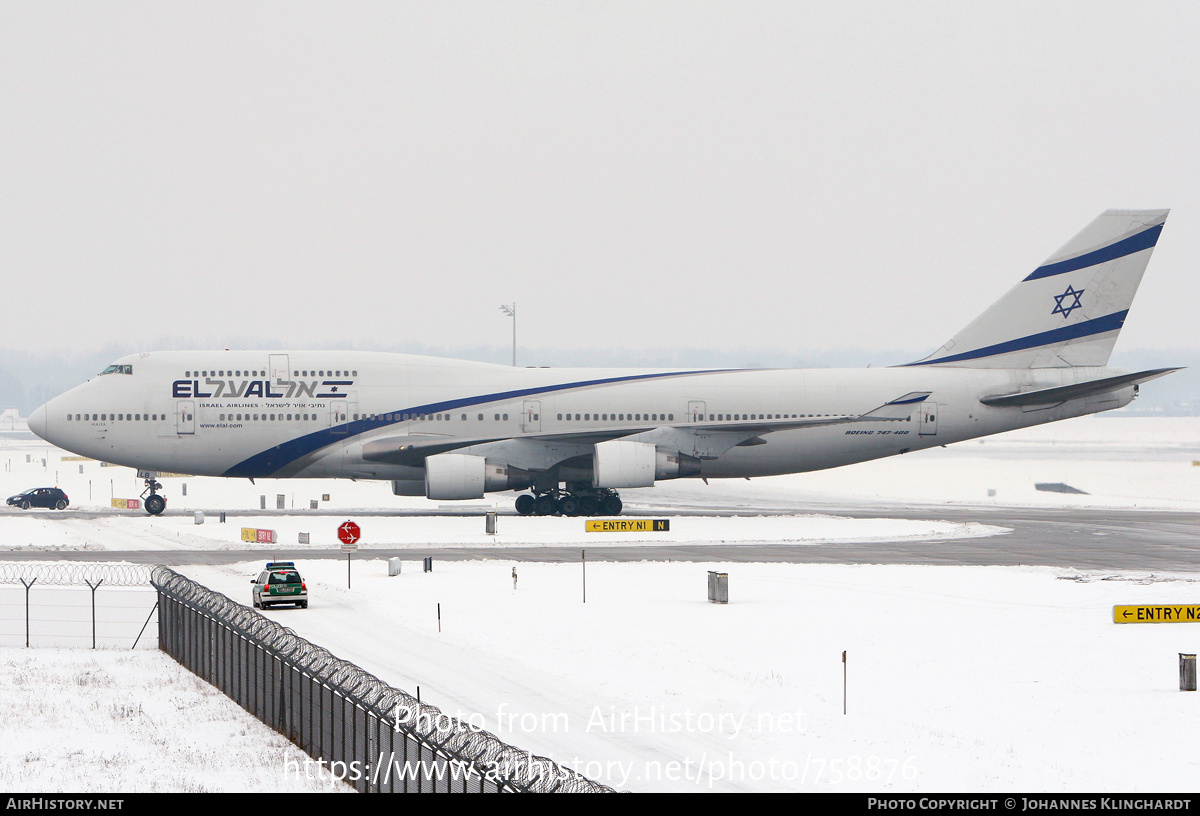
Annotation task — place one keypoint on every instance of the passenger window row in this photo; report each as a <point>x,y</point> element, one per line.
<point>618,417</point>
<point>257,373</point>
<point>230,373</point>
<point>722,417</point>
<point>728,417</point>
<point>402,417</point>
<point>407,417</point>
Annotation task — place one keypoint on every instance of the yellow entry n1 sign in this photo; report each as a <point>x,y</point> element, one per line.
<point>1157,614</point>
<point>258,536</point>
<point>628,525</point>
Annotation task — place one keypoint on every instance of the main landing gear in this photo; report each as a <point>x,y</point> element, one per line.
<point>578,501</point>
<point>153,503</point>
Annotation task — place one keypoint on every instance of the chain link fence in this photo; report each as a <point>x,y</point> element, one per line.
<point>377,738</point>
<point>76,605</point>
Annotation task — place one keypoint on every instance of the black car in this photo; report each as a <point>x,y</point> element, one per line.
<point>50,497</point>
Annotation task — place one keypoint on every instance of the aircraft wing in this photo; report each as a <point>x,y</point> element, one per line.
<point>411,449</point>
<point>708,438</point>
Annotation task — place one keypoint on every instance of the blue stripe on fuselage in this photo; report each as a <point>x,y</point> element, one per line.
<point>271,461</point>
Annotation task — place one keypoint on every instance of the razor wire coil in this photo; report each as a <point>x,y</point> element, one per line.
<point>74,574</point>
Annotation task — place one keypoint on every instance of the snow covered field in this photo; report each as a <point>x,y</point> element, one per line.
<point>957,678</point>
<point>121,722</point>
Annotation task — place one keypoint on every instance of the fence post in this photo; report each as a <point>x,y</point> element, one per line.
<point>27,586</point>
<point>93,588</point>
<point>284,695</point>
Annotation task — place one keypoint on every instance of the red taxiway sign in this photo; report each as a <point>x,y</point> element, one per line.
<point>349,532</point>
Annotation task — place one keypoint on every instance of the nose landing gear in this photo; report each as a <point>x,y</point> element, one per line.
<point>153,503</point>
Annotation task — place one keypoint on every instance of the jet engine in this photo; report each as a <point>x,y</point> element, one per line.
<point>625,463</point>
<point>456,476</point>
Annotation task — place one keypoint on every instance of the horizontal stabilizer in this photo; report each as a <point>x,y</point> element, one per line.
<point>1062,393</point>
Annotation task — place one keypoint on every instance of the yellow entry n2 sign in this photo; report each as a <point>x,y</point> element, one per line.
<point>1157,614</point>
<point>627,525</point>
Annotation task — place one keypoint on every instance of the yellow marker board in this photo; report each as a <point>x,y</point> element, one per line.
<point>1182,613</point>
<point>258,536</point>
<point>627,525</point>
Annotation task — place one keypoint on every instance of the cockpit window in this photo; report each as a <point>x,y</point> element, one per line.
<point>117,369</point>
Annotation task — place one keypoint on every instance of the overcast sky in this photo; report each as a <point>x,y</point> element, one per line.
<point>797,175</point>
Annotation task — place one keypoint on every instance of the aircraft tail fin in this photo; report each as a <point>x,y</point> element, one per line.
<point>1069,311</point>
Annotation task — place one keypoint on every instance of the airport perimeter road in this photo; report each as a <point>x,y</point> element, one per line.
<point>1083,538</point>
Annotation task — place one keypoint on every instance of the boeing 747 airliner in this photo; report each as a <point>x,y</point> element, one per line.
<point>450,430</point>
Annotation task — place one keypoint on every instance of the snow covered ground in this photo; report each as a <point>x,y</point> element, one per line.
<point>121,722</point>
<point>957,678</point>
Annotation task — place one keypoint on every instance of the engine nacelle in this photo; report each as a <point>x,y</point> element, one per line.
<point>622,463</point>
<point>456,476</point>
<point>626,463</point>
<point>676,465</point>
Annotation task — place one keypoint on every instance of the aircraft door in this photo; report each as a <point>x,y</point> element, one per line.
<point>279,369</point>
<point>929,412</point>
<point>185,417</point>
<point>695,410</point>
<point>340,411</point>
<point>531,416</point>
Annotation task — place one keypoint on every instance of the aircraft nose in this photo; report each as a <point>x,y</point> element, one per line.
<point>37,422</point>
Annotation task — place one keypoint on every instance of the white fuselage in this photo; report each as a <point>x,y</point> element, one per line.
<point>310,413</point>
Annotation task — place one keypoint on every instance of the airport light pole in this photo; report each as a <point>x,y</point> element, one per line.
<point>511,311</point>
